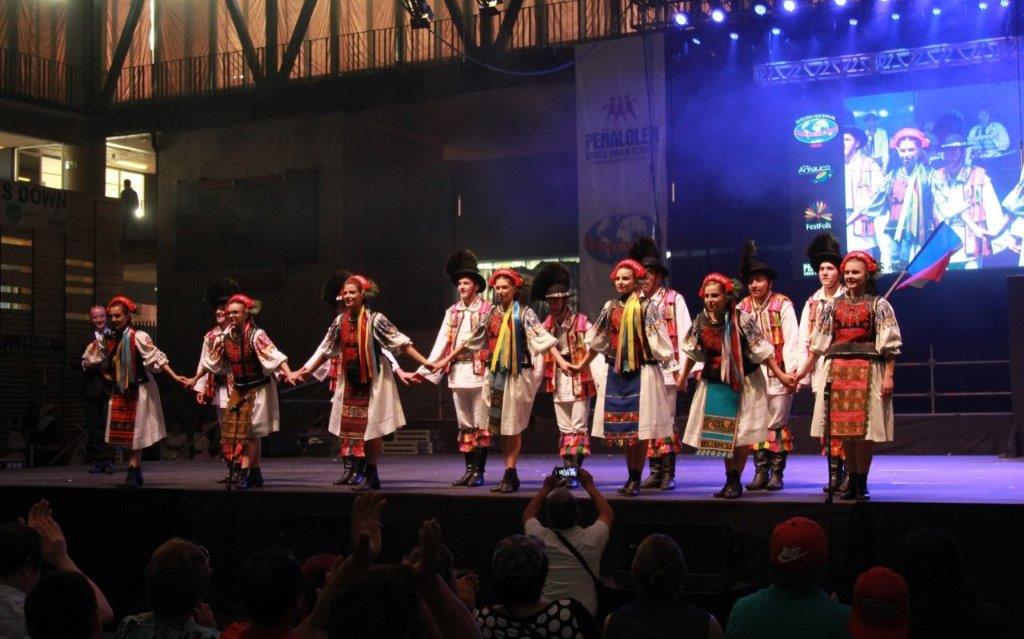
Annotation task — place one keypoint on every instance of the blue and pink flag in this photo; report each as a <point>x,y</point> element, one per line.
<point>931,261</point>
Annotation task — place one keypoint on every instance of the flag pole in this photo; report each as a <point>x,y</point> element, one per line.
<point>899,278</point>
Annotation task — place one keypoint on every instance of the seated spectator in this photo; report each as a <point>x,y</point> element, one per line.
<point>943,601</point>
<point>567,577</point>
<point>880,608</point>
<point>271,586</point>
<point>21,559</point>
<point>176,579</point>
<point>520,568</point>
<point>62,605</point>
<point>659,611</point>
<point>395,602</point>
<point>315,572</point>
<point>794,606</point>
<point>23,548</point>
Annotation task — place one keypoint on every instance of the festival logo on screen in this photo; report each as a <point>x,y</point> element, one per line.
<point>608,239</point>
<point>815,130</point>
<point>818,217</point>
<point>817,174</point>
<point>624,136</point>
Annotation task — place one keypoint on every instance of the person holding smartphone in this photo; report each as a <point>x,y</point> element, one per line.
<point>567,577</point>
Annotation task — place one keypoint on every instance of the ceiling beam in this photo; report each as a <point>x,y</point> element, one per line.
<point>298,35</point>
<point>124,43</point>
<point>508,22</point>
<point>243,37</point>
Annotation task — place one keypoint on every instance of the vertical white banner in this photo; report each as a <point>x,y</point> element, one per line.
<point>620,150</point>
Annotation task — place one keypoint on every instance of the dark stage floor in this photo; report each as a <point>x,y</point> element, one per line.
<point>894,478</point>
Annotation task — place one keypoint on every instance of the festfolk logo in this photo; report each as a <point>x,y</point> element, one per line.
<point>816,129</point>
<point>817,174</point>
<point>817,217</point>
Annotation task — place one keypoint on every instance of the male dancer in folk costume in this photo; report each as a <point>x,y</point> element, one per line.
<point>633,406</point>
<point>466,373</point>
<point>516,341</point>
<point>860,339</point>
<point>135,418</point>
<point>571,392</point>
<point>825,256</point>
<point>246,355</point>
<point>213,389</point>
<point>365,407</point>
<point>729,412</point>
<point>776,318</point>
<point>671,308</point>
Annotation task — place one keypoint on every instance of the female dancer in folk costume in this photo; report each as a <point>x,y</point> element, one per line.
<point>860,339</point>
<point>572,391</point>
<point>633,404</point>
<point>671,308</point>
<point>729,411</point>
<point>365,407</point>
<point>516,341</point>
<point>247,356</point>
<point>213,389</point>
<point>467,374</point>
<point>825,256</point>
<point>135,418</point>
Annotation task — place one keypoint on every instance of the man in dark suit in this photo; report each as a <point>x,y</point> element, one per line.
<point>95,393</point>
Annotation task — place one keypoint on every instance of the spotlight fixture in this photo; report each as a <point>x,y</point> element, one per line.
<point>776,31</point>
<point>895,16</point>
<point>680,19</point>
<point>488,7</point>
<point>760,9</point>
<point>717,14</point>
<point>734,36</point>
<point>695,41</point>
<point>936,11</point>
<point>420,13</point>
<point>854,22</point>
<point>840,3</point>
<point>789,5</point>
<point>1004,3</point>
<point>983,5</point>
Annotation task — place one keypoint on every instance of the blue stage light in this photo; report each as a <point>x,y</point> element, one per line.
<point>895,16</point>
<point>760,9</point>
<point>776,31</point>
<point>854,22</point>
<point>734,36</point>
<point>1004,3</point>
<point>840,3</point>
<point>681,19</point>
<point>789,5</point>
<point>936,11</point>
<point>717,15</point>
<point>695,41</point>
<point>983,5</point>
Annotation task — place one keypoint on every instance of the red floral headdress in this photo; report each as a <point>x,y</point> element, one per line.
<point>718,278</point>
<point>914,134</point>
<point>365,284</point>
<point>869,261</point>
<point>246,301</point>
<point>632,265</point>
<point>512,274</point>
<point>124,301</point>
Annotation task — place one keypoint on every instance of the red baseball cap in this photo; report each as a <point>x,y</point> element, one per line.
<point>798,544</point>
<point>880,606</point>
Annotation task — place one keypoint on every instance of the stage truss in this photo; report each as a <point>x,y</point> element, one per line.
<point>891,61</point>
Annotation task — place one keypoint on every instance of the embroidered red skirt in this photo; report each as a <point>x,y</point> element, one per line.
<point>123,409</point>
<point>848,404</point>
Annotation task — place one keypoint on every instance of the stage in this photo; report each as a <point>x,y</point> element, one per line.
<point>980,499</point>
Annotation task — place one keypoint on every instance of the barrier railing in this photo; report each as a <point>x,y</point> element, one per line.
<point>30,76</point>
<point>932,365</point>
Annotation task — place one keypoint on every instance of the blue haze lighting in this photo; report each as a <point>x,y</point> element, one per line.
<point>717,15</point>
<point>681,19</point>
<point>776,31</point>
<point>760,9</point>
<point>1004,3</point>
<point>983,5</point>
<point>854,22</point>
<point>789,5</point>
<point>734,36</point>
<point>840,3</point>
<point>895,16</point>
<point>936,11</point>
<point>695,41</point>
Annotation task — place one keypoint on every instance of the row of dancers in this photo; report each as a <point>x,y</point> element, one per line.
<point>749,354</point>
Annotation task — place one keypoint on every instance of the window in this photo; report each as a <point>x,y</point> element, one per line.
<point>115,183</point>
<point>51,172</point>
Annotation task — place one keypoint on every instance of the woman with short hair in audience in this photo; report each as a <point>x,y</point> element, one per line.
<point>520,568</point>
<point>659,611</point>
<point>176,579</point>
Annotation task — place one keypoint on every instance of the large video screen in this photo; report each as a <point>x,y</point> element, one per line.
<point>912,160</point>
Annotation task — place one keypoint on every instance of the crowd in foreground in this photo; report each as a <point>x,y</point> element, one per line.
<point>543,583</point>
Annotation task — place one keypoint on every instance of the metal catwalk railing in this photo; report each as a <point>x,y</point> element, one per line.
<point>29,76</point>
<point>549,25</point>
